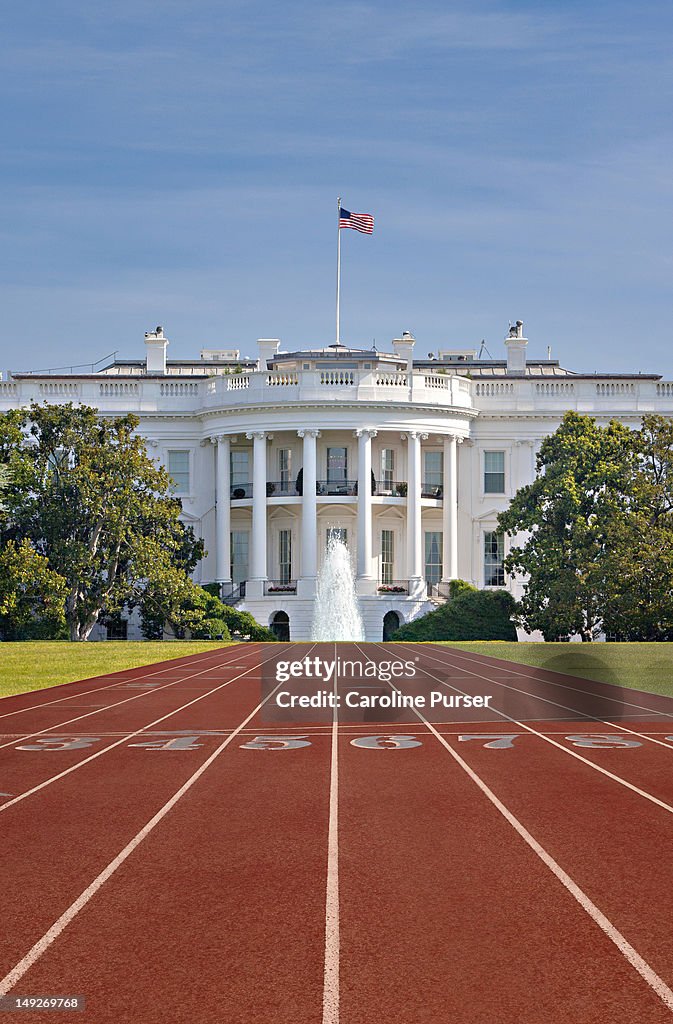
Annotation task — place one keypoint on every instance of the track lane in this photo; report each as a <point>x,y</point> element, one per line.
<point>649,773</point>
<point>51,715</point>
<point>622,864</point>
<point>447,915</point>
<point>20,703</point>
<point>219,913</point>
<point>29,761</point>
<point>68,826</point>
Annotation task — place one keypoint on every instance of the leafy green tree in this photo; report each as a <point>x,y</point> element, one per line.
<point>86,493</point>
<point>470,614</point>
<point>4,481</point>
<point>32,596</point>
<point>194,610</point>
<point>559,525</point>
<point>637,567</point>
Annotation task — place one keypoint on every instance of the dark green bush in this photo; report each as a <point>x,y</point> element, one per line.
<point>470,615</point>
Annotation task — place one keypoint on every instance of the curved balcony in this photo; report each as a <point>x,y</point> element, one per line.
<point>324,386</point>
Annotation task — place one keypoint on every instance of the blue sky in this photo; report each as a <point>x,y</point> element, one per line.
<point>179,163</point>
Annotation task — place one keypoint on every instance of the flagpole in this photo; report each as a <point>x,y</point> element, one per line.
<point>338,279</point>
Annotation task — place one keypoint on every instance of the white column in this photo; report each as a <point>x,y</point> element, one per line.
<point>258,546</point>
<point>414,523</point>
<point>450,509</point>
<point>364,566</point>
<point>309,515</point>
<point>222,508</point>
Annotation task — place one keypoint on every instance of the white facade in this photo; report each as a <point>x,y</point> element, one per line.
<point>411,459</point>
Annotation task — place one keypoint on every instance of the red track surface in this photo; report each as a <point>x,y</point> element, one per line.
<point>442,880</point>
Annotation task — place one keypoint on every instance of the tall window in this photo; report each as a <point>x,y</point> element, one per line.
<point>337,465</point>
<point>178,467</point>
<point>494,554</point>
<point>387,555</point>
<point>240,467</point>
<point>433,475</point>
<point>387,468</point>
<point>494,472</point>
<point>284,468</point>
<point>240,545</point>
<point>433,555</point>
<point>285,556</point>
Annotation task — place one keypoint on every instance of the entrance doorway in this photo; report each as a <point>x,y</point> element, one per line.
<point>391,623</point>
<point>280,625</point>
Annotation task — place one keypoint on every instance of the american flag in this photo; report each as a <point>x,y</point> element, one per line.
<point>358,221</point>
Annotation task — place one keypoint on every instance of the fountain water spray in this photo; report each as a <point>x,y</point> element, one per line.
<point>336,616</point>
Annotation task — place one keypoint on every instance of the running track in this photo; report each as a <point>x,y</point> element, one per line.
<point>165,859</point>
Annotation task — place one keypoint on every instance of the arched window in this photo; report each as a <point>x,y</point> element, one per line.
<point>391,622</point>
<point>280,625</point>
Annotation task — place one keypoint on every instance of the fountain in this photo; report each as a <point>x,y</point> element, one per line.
<point>336,615</point>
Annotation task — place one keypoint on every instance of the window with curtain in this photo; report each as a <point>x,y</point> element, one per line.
<point>387,555</point>
<point>433,469</point>
<point>337,465</point>
<point>240,548</point>
<point>433,555</point>
<point>494,556</point>
<point>387,468</point>
<point>284,467</point>
<point>284,556</point>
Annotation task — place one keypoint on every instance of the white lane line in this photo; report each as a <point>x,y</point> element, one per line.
<point>564,707</point>
<point>548,739</point>
<point>464,656</point>
<point>129,736</point>
<point>99,689</point>
<point>330,997</point>
<point>40,947</point>
<point>646,972</point>
<point>107,707</point>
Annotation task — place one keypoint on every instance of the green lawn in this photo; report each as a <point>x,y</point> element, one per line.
<point>640,666</point>
<point>38,665</point>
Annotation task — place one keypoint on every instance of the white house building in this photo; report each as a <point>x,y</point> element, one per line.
<point>408,459</point>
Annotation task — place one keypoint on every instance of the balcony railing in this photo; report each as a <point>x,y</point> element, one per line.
<point>392,488</point>
<point>272,587</point>
<point>337,487</point>
<point>282,488</point>
<point>393,587</point>
<point>439,590</point>
<point>241,491</point>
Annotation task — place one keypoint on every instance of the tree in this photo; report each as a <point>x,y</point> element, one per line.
<point>581,487</point>
<point>4,481</point>
<point>637,566</point>
<point>194,609</point>
<point>32,596</point>
<point>87,495</point>
<point>470,614</point>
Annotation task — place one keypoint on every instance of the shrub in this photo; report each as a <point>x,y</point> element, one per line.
<point>470,615</point>
<point>211,629</point>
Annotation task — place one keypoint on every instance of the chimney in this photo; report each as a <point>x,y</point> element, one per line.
<point>516,350</point>
<point>155,362</point>
<point>267,348</point>
<point>404,348</point>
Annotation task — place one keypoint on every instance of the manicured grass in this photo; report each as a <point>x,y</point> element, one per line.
<point>38,665</point>
<point>639,666</point>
